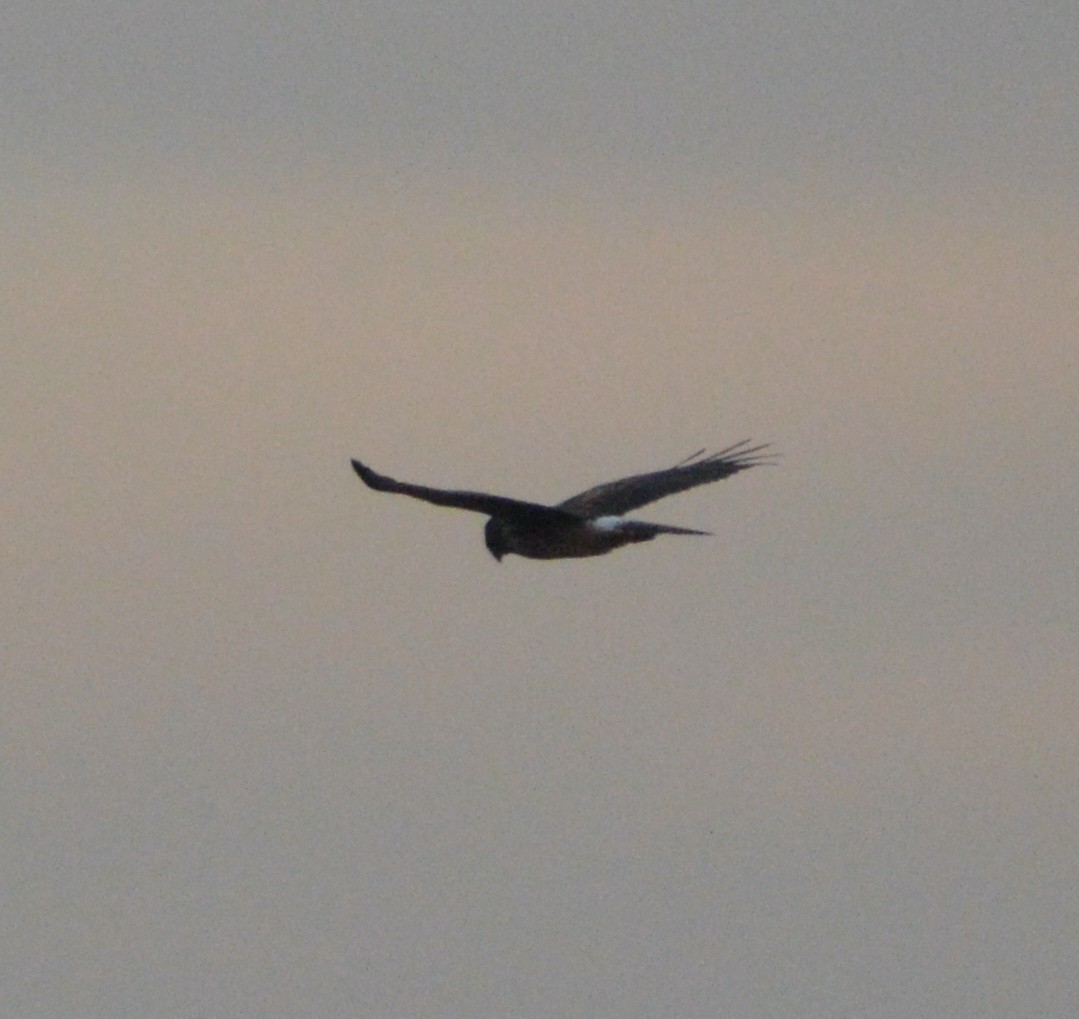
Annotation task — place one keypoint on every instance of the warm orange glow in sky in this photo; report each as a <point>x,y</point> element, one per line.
<point>221,642</point>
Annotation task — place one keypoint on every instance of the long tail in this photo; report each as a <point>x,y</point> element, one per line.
<point>638,530</point>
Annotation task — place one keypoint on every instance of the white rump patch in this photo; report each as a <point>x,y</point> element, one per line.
<point>608,523</point>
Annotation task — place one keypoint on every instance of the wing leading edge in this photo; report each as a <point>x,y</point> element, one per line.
<point>479,502</point>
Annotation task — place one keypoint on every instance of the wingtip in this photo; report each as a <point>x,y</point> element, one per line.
<point>366,474</point>
<point>743,454</point>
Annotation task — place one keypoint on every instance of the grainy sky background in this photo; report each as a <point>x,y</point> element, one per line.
<point>274,745</point>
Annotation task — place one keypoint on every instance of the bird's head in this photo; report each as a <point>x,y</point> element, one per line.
<point>494,536</point>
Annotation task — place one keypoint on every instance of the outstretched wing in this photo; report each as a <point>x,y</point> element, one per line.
<point>617,497</point>
<point>493,505</point>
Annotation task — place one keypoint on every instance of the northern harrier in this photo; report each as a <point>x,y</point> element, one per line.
<point>590,523</point>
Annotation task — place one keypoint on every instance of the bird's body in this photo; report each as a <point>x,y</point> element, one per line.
<point>590,523</point>
<point>574,540</point>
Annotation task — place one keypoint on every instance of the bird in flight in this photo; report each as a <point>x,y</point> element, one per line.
<point>587,524</point>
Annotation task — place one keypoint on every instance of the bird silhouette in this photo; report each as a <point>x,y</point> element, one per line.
<point>589,523</point>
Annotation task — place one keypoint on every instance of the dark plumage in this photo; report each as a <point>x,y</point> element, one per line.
<point>586,524</point>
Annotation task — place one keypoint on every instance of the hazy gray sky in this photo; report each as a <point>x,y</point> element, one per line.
<point>276,745</point>
<point>964,94</point>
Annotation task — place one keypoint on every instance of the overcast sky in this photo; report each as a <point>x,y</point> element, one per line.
<point>276,745</point>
